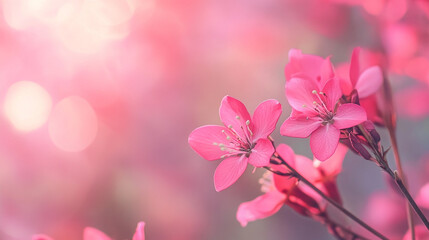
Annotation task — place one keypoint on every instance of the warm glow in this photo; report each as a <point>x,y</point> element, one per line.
<point>27,105</point>
<point>73,124</point>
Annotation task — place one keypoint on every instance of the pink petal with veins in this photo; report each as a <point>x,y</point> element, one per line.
<point>228,171</point>
<point>369,81</point>
<point>333,93</point>
<point>265,118</point>
<point>203,140</point>
<point>233,113</point>
<point>261,153</point>
<point>326,72</point>
<point>349,115</point>
<point>261,207</point>
<point>324,141</point>
<point>299,94</point>
<point>90,233</point>
<point>300,126</point>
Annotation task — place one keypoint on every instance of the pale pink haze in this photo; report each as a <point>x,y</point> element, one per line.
<point>242,140</point>
<point>280,190</point>
<point>314,96</point>
<point>90,233</point>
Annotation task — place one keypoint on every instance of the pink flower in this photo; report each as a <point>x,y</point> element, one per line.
<point>366,82</point>
<point>90,233</point>
<point>280,190</point>
<point>317,112</point>
<point>243,140</point>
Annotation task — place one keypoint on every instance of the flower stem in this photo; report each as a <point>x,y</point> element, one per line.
<point>331,201</point>
<point>394,143</point>
<point>380,157</point>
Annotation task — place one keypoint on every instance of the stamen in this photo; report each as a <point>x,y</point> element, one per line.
<point>248,122</point>
<point>228,137</point>
<point>229,126</point>
<point>304,106</point>
<point>215,143</point>
<point>237,117</point>
<point>314,92</point>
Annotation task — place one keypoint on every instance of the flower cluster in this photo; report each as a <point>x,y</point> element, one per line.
<point>336,109</point>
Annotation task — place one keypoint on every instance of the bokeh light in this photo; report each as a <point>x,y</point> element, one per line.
<point>73,124</point>
<point>27,105</point>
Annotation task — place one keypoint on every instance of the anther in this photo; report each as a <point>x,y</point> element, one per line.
<point>314,92</point>
<point>248,122</point>
<point>229,126</point>
<point>237,117</point>
<point>228,137</point>
<point>314,102</point>
<point>304,106</point>
<point>215,143</point>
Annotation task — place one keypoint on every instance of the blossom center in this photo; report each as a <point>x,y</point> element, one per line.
<point>320,106</point>
<point>237,144</point>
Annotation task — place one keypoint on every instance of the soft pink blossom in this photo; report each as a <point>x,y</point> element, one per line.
<point>317,112</point>
<point>241,141</point>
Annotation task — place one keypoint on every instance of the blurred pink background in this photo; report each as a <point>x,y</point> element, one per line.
<point>99,96</point>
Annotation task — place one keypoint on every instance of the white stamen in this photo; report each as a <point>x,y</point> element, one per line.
<point>314,92</point>
<point>247,122</point>
<point>237,117</point>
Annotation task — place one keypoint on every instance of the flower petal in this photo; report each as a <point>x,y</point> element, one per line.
<point>287,154</point>
<point>90,233</point>
<point>303,63</point>
<point>332,167</point>
<point>349,115</point>
<point>333,93</point>
<point>139,234</point>
<point>300,126</point>
<point>324,141</point>
<point>228,171</point>
<point>261,153</point>
<point>234,114</point>
<point>265,118</point>
<point>369,81</point>
<point>326,72</point>
<point>299,93</point>
<point>261,207</point>
<point>355,66</point>
<point>203,140</point>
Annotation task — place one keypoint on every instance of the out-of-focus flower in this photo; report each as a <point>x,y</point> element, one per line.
<point>420,231</point>
<point>90,233</point>
<point>314,96</point>
<point>243,139</point>
<point>366,82</point>
<point>279,190</point>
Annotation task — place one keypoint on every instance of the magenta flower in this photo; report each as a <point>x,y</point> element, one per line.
<point>90,233</point>
<point>243,139</point>
<point>318,112</point>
